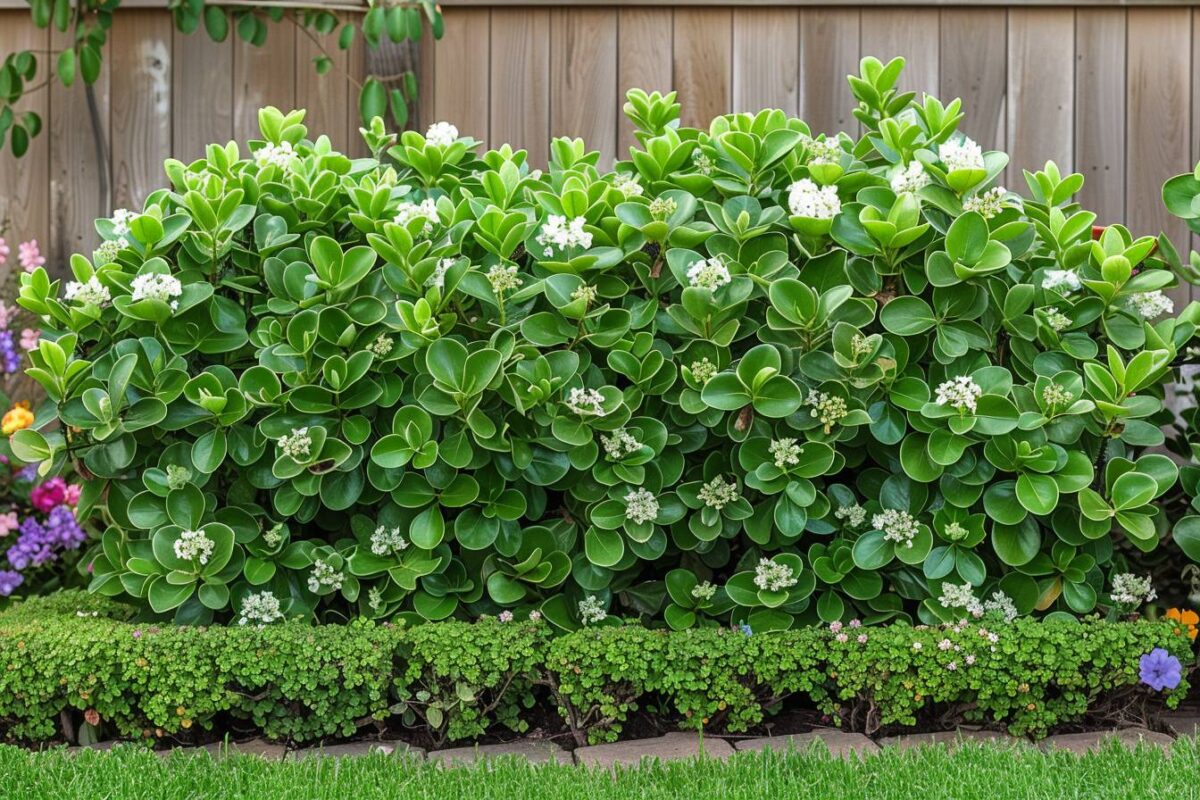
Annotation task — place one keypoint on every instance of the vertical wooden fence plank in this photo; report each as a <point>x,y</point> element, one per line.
<point>263,76</point>
<point>703,53</point>
<point>79,189</point>
<point>766,56</point>
<point>908,32</point>
<point>326,97</point>
<point>356,66</point>
<point>203,88</point>
<point>24,181</point>
<point>520,81</point>
<point>461,67</point>
<point>141,104</point>
<point>1041,61</point>
<point>1100,110</point>
<point>973,67</point>
<point>583,77</point>
<point>645,56</point>
<point>829,51</point>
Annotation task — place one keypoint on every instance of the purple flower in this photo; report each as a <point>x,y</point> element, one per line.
<point>9,581</point>
<point>744,628</point>
<point>10,357</point>
<point>1160,670</point>
<point>39,542</point>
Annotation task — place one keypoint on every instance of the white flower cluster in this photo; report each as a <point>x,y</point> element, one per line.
<point>825,151</point>
<point>156,286</point>
<point>988,204</point>
<point>961,394</point>
<point>628,184</point>
<point>260,608</point>
<point>441,134</point>
<point>406,212</point>
<point>828,409</point>
<point>961,596</point>
<point>586,402</point>
<point>704,591</point>
<point>910,178</point>
<point>620,444</point>
<point>718,494</point>
<point>557,232</point>
<point>662,207</point>
<point>91,293</point>
<point>641,506</point>
<point>963,154</point>
<point>1149,305</point>
<point>387,540</point>
<point>1132,590</point>
<point>1057,320</point>
<point>121,219</point>
<point>897,526</point>
<point>773,576</point>
<point>709,274</point>
<point>704,165</point>
<point>703,370</point>
<point>1064,281</point>
<point>504,279</point>
<point>956,531</point>
<point>591,610</point>
<point>107,252</point>
<point>382,345</point>
<point>786,452</point>
<point>273,535</point>
<point>853,516</point>
<point>806,199</point>
<point>1057,396</point>
<point>279,155</point>
<point>177,476</point>
<point>860,345</point>
<point>324,576</point>
<point>375,599</point>
<point>296,445</point>
<point>438,278</point>
<point>1001,604</point>
<point>585,292</point>
<point>194,546</point>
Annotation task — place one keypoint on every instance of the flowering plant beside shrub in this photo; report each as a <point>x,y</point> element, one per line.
<point>757,375</point>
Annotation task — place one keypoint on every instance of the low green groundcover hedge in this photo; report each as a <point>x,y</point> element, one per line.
<point>71,654</point>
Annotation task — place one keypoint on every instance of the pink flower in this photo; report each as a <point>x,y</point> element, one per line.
<point>8,523</point>
<point>49,495</point>
<point>73,492</point>
<point>841,637</point>
<point>29,338</point>
<point>534,616</point>
<point>835,626</point>
<point>30,256</point>
<point>4,251</point>
<point>505,616</point>
<point>137,634</point>
<point>855,623</point>
<point>862,638</point>
<point>91,566</point>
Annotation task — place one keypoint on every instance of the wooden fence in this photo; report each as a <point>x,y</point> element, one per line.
<point>1104,87</point>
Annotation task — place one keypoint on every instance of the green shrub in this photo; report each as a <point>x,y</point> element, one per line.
<point>752,376</point>
<point>454,680</point>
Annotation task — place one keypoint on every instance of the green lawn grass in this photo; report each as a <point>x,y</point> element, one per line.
<point>973,771</point>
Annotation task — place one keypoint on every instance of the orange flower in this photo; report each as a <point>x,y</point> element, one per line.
<point>1186,622</point>
<point>18,418</point>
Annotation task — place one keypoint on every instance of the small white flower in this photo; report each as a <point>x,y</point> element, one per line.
<point>709,274</point>
<point>1132,590</point>
<point>505,616</point>
<point>860,345</point>
<point>406,212</point>
<point>704,165</point>
<point>897,526</point>
<point>591,610</point>
<point>988,204</point>
<point>961,596</point>
<point>1064,281</point>
<point>585,292</point>
<point>945,644</point>
<point>156,286</point>
<point>382,345</point>
<point>620,444</point>
<point>375,599</point>
<point>969,658</point>
<point>961,393</point>
<point>504,279</point>
<point>627,184</point>
<point>853,516</point>
<point>917,645</point>
<point>1057,320</point>
<point>557,232</point>
<point>107,252</point>
<point>718,494</point>
<point>261,608</point>
<point>324,576</point>
<point>297,444</point>
<point>177,476</point>
<point>273,535</point>
<point>786,452</point>
<point>956,531</point>
<point>1001,604</point>
<point>92,293</point>
<point>279,155</point>
<point>910,178</point>
<point>964,154</point>
<point>586,402</point>
<point>806,199</point>
<point>641,506</point>
<point>824,151</point>
<point>1057,396</point>
<point>1149,305</point>
<point>662,207</point>
<point>438,278</point>
<point>829,409</point>
<point>703,370</point>
<point>121,219</point>
<point>773,576</point>
<point>441,134</point>
<point>952,666</point>
<point>704,591</point>
<point>194,546</point>
<point>385,541</point>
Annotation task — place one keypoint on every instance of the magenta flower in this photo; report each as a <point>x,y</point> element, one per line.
<point>4,251</point>
<point>1160,670</point>
<point>30,256</point>
<point>49,495</point>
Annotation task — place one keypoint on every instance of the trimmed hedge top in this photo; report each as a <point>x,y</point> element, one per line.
<point>757,375</point>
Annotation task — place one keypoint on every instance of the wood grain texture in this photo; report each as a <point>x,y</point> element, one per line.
<point>829,51</point>
<point>645,59</point>
<point>973,66</point>
<point>912,33</point>
<point>583,78</point>
<point>141,104</point>
<point>325,97</point>
<point>1041,89</point>
<point>703,56</point>
<point>1100,110</point>
<point>263,76</point>
<point>78,188</point>
<point>24,182</point>
<point>461,68</point>
<point>356,66</point>
<point>203,85</point>
<point>520,81</point>
<point>766,58</point>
